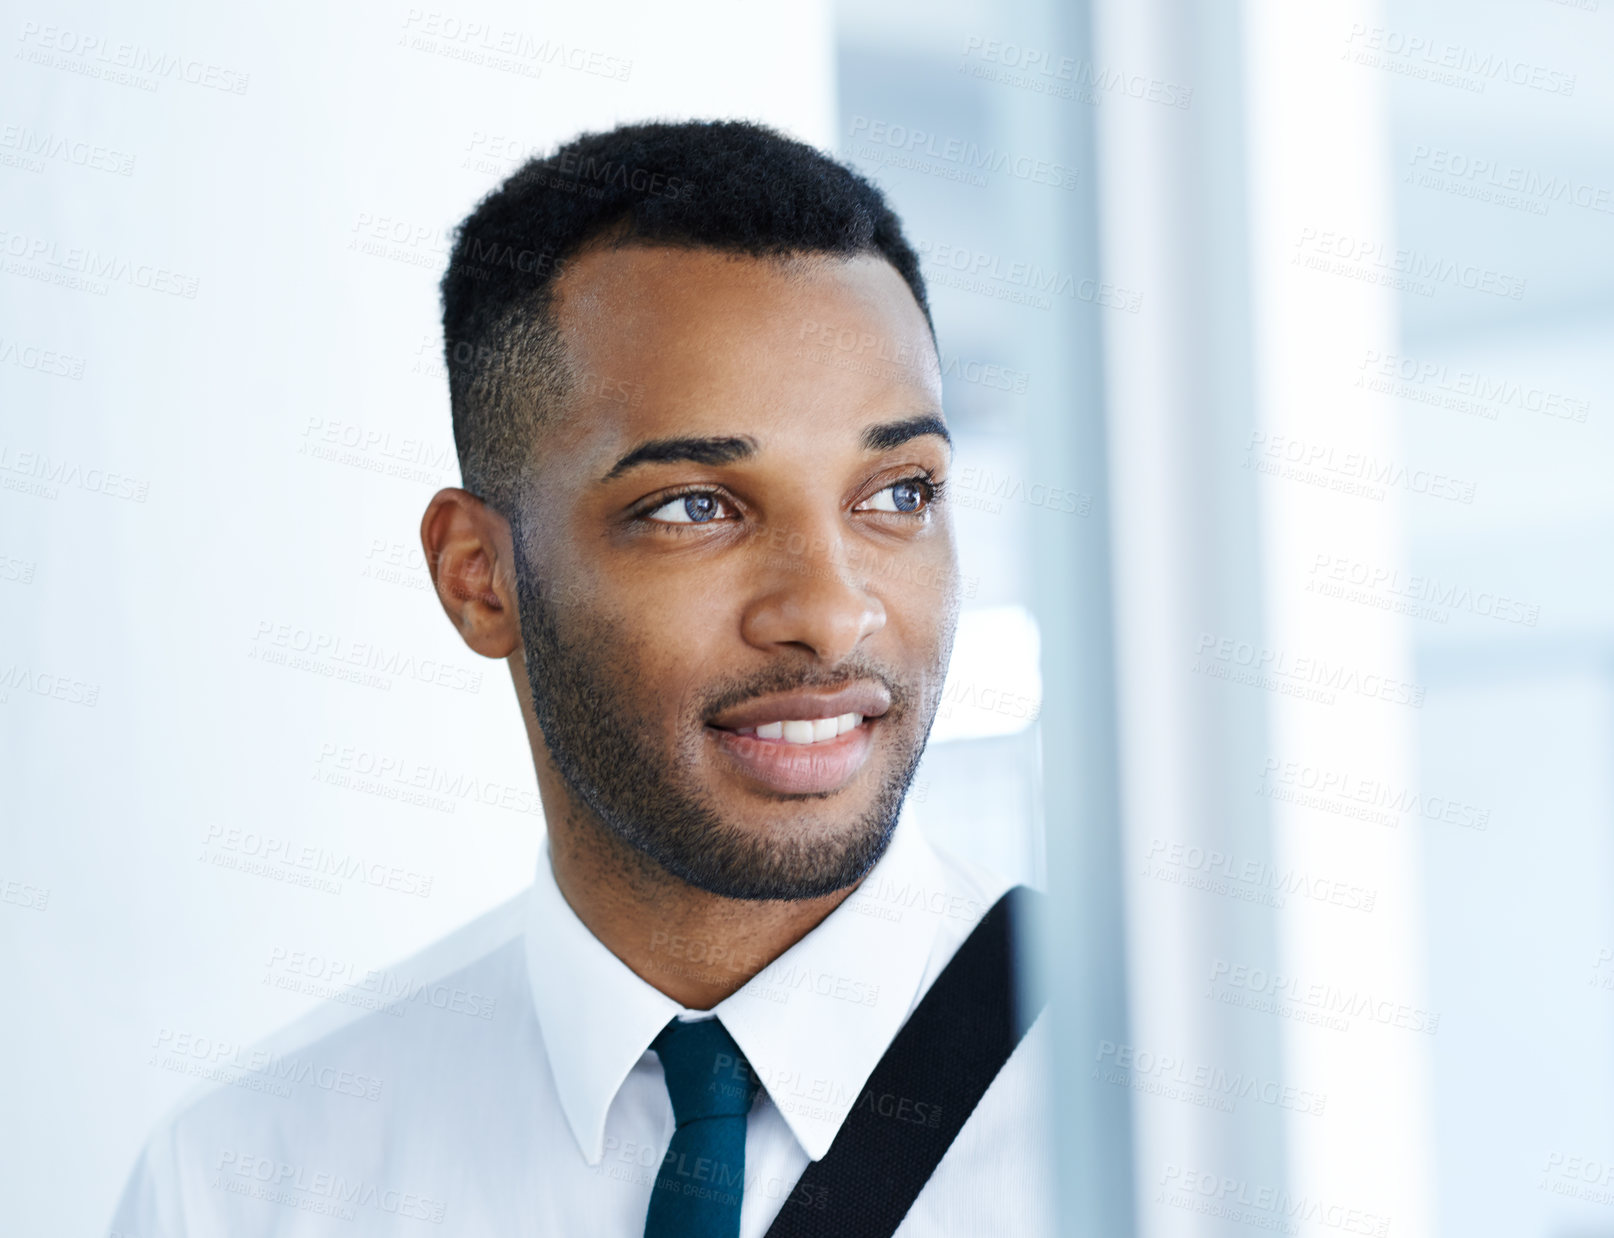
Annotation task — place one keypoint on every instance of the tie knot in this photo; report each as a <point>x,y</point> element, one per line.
<point>707,1075</point>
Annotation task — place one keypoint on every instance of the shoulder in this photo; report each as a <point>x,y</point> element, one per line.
<point>997,1176</point>
<point>978,884</point>
<point>955,894</point>
<point>304,1125</point>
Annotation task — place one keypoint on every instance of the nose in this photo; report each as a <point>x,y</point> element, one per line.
<point>811,600</point>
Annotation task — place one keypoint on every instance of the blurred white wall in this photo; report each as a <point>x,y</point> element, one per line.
<point>1503,162</point>
<point>1355,378</point>
<point>217,643</point>
<point>1360,450</point>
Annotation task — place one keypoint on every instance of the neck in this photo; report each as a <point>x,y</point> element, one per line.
<point>694,946</point>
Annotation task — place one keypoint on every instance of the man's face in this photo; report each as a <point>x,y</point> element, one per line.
<point>730,547</point>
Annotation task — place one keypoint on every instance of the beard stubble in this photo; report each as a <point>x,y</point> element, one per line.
<point>610,753</point>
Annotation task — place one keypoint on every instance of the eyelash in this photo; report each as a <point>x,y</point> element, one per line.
<point>932,489</point>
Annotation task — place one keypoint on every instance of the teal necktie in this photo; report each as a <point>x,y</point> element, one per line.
<point>698,1187</point>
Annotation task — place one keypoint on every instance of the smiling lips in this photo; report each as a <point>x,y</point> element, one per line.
<point>802,743</point>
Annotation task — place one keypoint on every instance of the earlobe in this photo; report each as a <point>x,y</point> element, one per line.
<point>468,548</point>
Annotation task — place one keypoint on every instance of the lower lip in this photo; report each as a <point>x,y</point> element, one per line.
<point>798,769</point>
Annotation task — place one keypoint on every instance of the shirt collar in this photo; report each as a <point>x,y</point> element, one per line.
<point>597,1017</point>
<point>813,1023</point>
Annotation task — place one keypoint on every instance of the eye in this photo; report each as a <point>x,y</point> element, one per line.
<point>908,497</point>
<point>693,507</point>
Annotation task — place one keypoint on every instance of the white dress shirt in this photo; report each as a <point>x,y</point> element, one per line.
<point>518,1094</point>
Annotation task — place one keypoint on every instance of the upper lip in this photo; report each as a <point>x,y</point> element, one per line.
<point>868,699</point>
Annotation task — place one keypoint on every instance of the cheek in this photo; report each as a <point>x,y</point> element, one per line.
<point>922,612</point>
<point>657,643</point>
<point>671,667</point>
<point>915,654</point>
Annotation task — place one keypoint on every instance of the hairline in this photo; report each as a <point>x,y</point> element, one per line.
<point>535,319</point>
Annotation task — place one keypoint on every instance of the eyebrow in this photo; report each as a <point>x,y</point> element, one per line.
<point>895,433</point>
<point>726,450</point>
<point>697,450</point>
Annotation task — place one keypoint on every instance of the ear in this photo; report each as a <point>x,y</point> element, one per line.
<point>472,560</point>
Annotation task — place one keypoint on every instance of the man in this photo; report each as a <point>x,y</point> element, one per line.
<point>714,549</point>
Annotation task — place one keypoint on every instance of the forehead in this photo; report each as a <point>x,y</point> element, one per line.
<point>799,354</point>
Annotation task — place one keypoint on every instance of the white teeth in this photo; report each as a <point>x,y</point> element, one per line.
<point>804,731</point>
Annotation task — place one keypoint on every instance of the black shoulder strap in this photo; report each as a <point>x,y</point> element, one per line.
<point>922,1091</point>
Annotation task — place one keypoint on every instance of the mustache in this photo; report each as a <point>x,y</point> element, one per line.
<point>787,679</point>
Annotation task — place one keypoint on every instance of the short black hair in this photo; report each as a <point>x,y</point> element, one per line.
<point>727,185</point>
